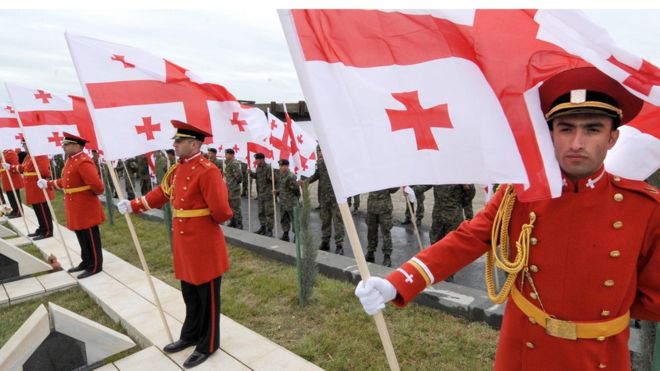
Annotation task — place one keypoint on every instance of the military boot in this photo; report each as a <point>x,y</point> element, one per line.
<point>285,236</point>
<point>232,224</point>
<point>261,230</point>
<point>406,221</point>
<point>239,226</point>
<point>370,257</point>
<point>387,261</point>
<point>339,250</point>
<point>325,246</point>
<point>268,233</point>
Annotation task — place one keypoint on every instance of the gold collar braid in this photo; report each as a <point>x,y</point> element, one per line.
<point>500,238</point>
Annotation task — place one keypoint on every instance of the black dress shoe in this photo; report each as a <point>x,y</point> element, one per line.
<point>87,274</point>
<point>42,237</point>
<point>76,269</point>
<point>196,358</point>
<point>177,346</point>
<point>34,234</point>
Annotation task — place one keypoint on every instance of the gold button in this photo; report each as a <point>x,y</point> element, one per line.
<point>608,283</point>
<point>180,232</point>
<point>617,179</point>
<point>602,365</point>
<point>618,197</point>
<point>615,253</point>
<point>185,188</point>
<point>533,268</point>
<point>534,240</point>
<point>182,200</point>
<point>605,313</point>
<point>180,220</point>
<point>601,338</point>
<point>187,178</point>
<point>529,345</point>
<point>193,168</point>
<point>618,224</point>
<point>532,320</point>
<point>533,295</point>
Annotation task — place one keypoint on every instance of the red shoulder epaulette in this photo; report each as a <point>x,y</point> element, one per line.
<point>637,186</point>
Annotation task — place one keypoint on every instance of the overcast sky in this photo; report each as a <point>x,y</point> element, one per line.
<point>243,50</point>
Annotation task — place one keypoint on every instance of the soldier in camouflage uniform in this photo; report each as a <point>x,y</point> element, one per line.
<point>468,195</point>
<point>247,180</point>
<point>329,208</point>
<point>143,174</point>
<point>59,165</point>
<point>379,214</point>
<point>264,195</point>
<point>160,163</point>
<point>418,206</point>
<point>447,211</point>
<point>288,193</point>
<point>212,155</point>
<point>233,178</point>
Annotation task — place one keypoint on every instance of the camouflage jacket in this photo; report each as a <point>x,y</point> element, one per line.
<point>143,167</point>
<point>233,177</point>
<point>161,167</point>
<point>380,202</point>
<point>448,197</point>
<point>264,182</point>
<point>326,194</point>
<point>287,190</point>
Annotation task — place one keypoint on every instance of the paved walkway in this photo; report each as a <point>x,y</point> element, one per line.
<point>123,293</point>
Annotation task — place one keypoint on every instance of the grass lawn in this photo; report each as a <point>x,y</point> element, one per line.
<point>73,299</point>
<point>333,331</point>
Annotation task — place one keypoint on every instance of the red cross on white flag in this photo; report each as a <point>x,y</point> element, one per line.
<point>475,117</point>
<point>44,124</point>
<point>289,141</point>
<point>10,131</point>
<point>125,85</point>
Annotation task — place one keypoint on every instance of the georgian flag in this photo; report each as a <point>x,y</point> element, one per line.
<point>134,95</point>
<point>10,132</point>
<point>289,141</point>
<point>45,115</point>
<point>444,97</point>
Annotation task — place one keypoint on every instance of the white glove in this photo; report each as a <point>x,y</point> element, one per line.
<point>124,207</point>
<point>42,183</point>
<point>374,293</point>
<point>410,194</point>
<point>6,166</point>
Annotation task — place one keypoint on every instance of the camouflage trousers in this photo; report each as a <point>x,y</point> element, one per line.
<point>235,204</point>
<point>286,218</point>
<point>330,215</point>
<point>418,208</point>
<point>384,222</point>
<point>266,212</point>
<point>444,221</point>
<point>355,200</point>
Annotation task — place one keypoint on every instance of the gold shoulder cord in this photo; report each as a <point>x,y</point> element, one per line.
<point>168,181</point>
<point>500,238</point>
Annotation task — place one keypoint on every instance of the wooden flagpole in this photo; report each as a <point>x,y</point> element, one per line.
<point>272,179</point>
<point>414,221</point>
<point>249,194</point>
<point>129,180</point>
<point>364,272</point>
<point>120,194</point>
<point>138,248</point>
<point>13,190</point>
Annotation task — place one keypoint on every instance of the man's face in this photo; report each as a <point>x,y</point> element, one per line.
<point>212,155</point>
<point>183,147</point>
<point>229,156</point>
<point>581,143</point>
<point>284,168</point>
<point>259,161</point>
<point>71,148</point>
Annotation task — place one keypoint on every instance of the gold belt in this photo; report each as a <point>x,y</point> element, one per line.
<point>190,213</point>
<point>30,174</point>
<point>76,189</point>
<point>568,329</point>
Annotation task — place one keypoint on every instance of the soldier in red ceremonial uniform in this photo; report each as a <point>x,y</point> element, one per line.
<point>81,185</point>
<point>589,260</point>
<point>11,158</point>
<point>34,195</point>
<point>199,200</point>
